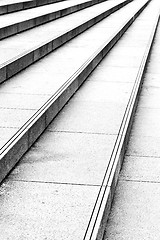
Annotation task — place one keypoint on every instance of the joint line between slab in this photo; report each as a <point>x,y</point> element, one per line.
<point>56,183</point>
<point>109,134</point>
<point>138,181</point>
<point>142,156</point>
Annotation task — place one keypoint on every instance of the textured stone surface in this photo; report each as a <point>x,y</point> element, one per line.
<point>6,134</point>
<point>39,210</point>
<point>144,146</point>
<point>146,122</point>
<point>104,92</point>
<point>135,212</point>
<point>141,169</point>
<point>14,117</point>
<point>22,101</point>
<point>72,162</point>
<point>89,117</point>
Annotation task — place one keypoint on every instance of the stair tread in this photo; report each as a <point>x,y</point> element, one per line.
<point>70,182</point>
<point>37,79</point>
<point>28,14</point>
<point>65,179</point>
<point>51,30</point>
<point>22,44</point>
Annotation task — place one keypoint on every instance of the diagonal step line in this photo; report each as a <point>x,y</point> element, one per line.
<point>19,6</point>
<point>13,150</point>
<point>20,62</point>
<point>105,47</point>
<point>118,149</point>
<point>18,27</point>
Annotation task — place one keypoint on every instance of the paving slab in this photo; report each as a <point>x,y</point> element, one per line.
<point>114,74</point>
<point>140,169</point>
<point>72,163</point>
<point>146,122</point>
<point>89,118</point>
<point>144,146</point>
<point>6,134</point>
<point>14,118</point>
<point>135,212</point>
<point>22,101</point>
<point>39,210</point>
<point>151,79</point>
<point>104,92</point>
<point>150,96</point>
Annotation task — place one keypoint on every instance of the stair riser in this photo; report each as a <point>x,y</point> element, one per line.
<point>119,151</point>
<point>25,25</point>
<point>36,125</point>
<point>21,62</point>
<point>25,5</point>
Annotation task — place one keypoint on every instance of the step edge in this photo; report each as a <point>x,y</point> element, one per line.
<point>14,149</point>
<point>35,54</point>
<point>18,27</point>
<point>10,8</point>
<point>98,232</point>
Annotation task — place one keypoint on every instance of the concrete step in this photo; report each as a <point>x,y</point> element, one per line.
<point>22,50</point>
<point>51,95</point>
<point>55,93</point>
<point>137,193</point>
<point>14,23</point>
<point>68,177</point>
<point>10,6</point>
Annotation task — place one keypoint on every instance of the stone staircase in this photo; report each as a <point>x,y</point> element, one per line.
<point>70,152</point>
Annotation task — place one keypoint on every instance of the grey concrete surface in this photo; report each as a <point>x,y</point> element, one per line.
<point>144,146</point>
<point>135,212</point>
<point>147,122</point>
<point>141,169</point>
<point>89,118</point>
<point>71,163</point>
<point>14,117</point>
<point>135,209</point>
<point>54,191</point>
<point>6,134</point>
<point>20,51</point>
<point>22,101</point>
<point>39,210</point>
